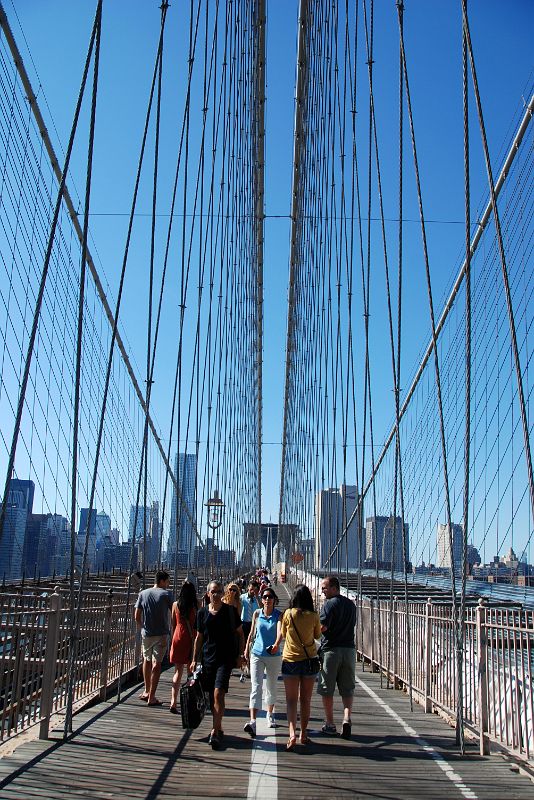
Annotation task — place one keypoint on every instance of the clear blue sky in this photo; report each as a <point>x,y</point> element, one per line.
<point>56,33</point>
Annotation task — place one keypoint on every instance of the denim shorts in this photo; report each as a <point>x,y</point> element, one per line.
<point>308,667</point>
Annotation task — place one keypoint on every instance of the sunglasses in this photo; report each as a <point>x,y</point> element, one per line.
<point>267,597</point>
<point>236,591</point>
<point>215,591</point>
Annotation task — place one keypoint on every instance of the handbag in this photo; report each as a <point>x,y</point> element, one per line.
<point>312,665</point>
<point>192,701</point>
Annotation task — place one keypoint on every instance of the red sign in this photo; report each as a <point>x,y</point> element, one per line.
<point>296,558</point>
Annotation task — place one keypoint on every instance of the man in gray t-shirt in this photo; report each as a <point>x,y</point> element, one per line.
<point>338,619</point>
<point>152,616</point>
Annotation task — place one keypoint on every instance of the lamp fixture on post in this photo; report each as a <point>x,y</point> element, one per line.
<point>215,508</point>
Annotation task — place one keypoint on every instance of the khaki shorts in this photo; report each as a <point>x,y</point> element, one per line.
<point>154,648</point>
<point>338,667</point>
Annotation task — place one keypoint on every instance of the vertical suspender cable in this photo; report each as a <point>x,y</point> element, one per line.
<point>460,633</point>
<point>75,616</point>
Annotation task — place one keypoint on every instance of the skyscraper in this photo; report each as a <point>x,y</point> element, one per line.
<point>444,549</point>
<point>384,542</point>
<point>151,549</point>
<point>19,507</point>
<point>181,530</point>
<point>333,510</point>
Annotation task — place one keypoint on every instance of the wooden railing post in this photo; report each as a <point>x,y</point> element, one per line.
<point>50,663</point>
<point>428,656</point>
<point>105,648</point>
<point>482,688</point>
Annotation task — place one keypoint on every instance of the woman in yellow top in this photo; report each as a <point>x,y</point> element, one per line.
<point>300,626</point>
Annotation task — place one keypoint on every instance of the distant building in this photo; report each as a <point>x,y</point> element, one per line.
<point>444,546</point>
<point>211,556</point>
<point>58,537</point>
<point>182,536</point>
<point>47,545</point>
<point>86,524</point>
<point>35,549</point>
<point>504,569</point>
<point>384,542</point>
<point>333,511</point>
<point>102,528</point>
<point>150,545</point>
<point>18,508</point>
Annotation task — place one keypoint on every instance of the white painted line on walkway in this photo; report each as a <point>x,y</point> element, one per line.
<point>263,780</point>
<point>442,763</point>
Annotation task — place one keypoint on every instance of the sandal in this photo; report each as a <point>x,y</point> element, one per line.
<point>305,739</point>
<point>291,742</point>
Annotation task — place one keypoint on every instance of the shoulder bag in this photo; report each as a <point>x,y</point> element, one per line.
<point>313,665</point>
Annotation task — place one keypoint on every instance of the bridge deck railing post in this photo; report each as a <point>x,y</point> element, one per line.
<point>482,683</point>
<point>395,642</point>
<point>428,657</point>
<point>105,648</point>
<point>372,628</point>
<point>50,664</point>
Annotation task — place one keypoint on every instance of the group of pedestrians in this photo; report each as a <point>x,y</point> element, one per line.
<point>234,629</point>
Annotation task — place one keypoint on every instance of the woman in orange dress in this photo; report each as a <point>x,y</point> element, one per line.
<point>183,618</point>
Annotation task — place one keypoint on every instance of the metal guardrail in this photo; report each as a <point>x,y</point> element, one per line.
<point>35,641</point>
<point>498,664</point>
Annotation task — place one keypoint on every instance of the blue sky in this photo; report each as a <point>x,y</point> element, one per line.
<point>56,34</point>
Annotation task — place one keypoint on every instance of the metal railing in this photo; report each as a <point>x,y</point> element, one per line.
<point>498,664</point>
<point>35,642</point>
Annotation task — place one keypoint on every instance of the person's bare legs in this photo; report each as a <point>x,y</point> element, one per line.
<point>306,690</point>
<point>291,685</point>
<point>176,680</point>
<point>218,710</point>
<point>347,707</point>
<point>328,706</point>
<point>155,672</point>
<point>147,674</point>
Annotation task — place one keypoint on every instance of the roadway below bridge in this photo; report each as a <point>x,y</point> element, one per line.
<point>134,752</point>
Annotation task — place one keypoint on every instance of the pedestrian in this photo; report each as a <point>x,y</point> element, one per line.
<point>338,654</point>
<point>249,604</point>
<point>221,643</point>
<point>232,597</point>
<point>152,616</point>
<point>300,626</point>
<point>183,619</point>
<point>258,654</point>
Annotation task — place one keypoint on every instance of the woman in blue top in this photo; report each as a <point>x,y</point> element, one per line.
<point>261,637</point>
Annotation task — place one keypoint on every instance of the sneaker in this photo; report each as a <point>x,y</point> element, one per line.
<point>214,741</point>
<point>271,722</point>
<point>346,729</point>
<point>250,728</point>
<point>242,678</point>
<point>329,729</point>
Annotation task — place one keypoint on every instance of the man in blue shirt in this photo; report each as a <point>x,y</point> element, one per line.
<point>249,604</point>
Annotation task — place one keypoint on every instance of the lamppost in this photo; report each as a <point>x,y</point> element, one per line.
<point>215,506</point>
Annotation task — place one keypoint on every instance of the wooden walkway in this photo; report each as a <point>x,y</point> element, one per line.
<point>131,751</point>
